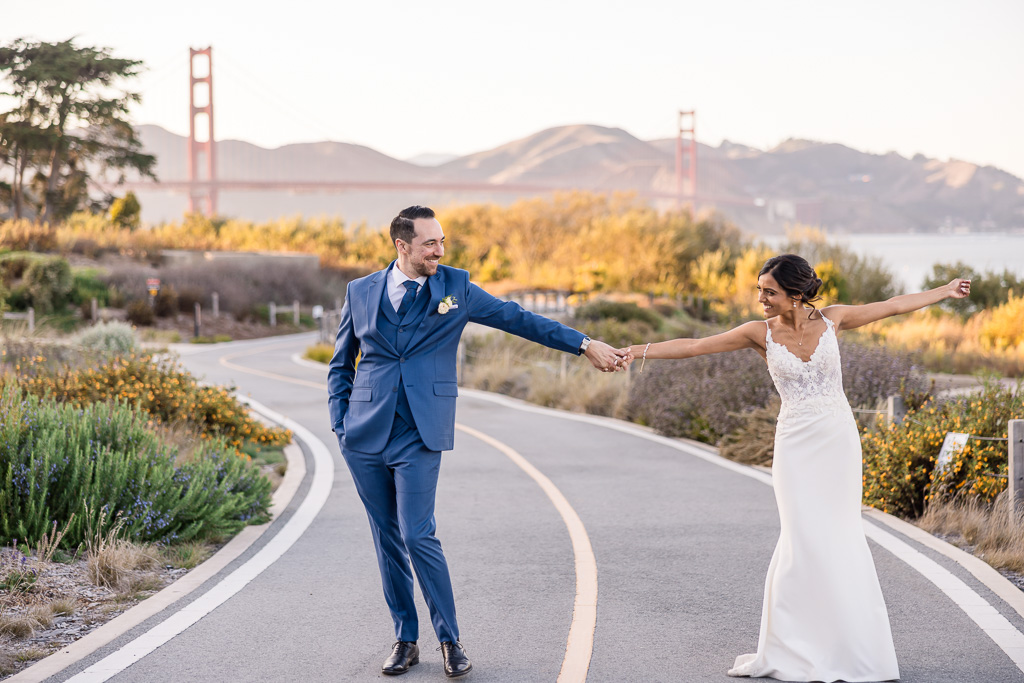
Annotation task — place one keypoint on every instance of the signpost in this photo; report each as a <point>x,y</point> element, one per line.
<point>153,287</point>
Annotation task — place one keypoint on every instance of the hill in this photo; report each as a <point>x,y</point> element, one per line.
<point>803,181</point>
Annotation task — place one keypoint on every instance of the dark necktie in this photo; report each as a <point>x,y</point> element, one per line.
<point>410,295</point>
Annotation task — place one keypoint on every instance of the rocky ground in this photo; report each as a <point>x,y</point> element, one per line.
<point>62,605</point>
<point>45,606</point>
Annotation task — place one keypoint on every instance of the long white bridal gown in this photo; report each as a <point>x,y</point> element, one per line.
<point>823,617</point>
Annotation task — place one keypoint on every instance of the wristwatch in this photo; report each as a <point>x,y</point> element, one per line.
<point>584,344</point>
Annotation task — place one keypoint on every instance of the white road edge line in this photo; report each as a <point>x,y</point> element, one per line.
<point>989,620</point>
<point>113,629</point>
<point>320,488</point>
<point>579,646</point>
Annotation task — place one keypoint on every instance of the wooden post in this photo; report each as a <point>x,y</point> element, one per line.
<point>197,321</point>
<point>896,409</point>
<point>1015,453</point>
<point>31,319</point>
<point>295,312</point>
<point>273,314</point>
<point>94,310</point>
<point>216,304</point>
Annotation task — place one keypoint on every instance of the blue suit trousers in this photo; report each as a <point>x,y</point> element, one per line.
<point>397,487</point>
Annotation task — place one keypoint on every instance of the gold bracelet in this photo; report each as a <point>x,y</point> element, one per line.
<point>644,359</point>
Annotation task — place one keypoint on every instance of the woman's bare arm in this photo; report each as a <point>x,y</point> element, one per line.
<point>747,336</point>
<point>850,317</point>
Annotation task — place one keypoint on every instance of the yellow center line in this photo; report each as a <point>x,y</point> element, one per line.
<point>579,646</point>
<point>224,360</point>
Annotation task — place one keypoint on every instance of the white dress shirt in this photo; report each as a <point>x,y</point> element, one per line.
<point>396,288</point>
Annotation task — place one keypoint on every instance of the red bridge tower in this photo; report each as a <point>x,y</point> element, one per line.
<point>687,172</point>
<point>200,101</point>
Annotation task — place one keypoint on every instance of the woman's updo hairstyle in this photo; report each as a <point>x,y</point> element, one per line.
<point>796,276</point>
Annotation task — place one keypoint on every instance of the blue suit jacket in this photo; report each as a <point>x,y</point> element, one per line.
<point>362,404</point>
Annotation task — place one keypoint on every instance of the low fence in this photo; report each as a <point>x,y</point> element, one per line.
<point>273,309</point>
<point>29,315</point>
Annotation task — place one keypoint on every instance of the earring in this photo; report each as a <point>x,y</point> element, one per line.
<point>794,304</point>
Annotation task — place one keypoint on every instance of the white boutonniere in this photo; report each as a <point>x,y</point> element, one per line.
<point>447,304</point>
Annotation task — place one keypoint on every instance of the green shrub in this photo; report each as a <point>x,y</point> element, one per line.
<point>13,265</point>
<point>86,286</point>
<point>49,284</point>
<point>899,460</point>
<point>623,311</point>
<point>140,313</point>
<point>109,337</point>
<point>59,460</point>
<point>165,304</point>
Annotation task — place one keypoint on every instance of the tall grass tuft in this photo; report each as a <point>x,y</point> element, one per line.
<point>986,526</point>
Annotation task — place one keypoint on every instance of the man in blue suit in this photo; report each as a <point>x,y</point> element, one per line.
<point>397,413</point>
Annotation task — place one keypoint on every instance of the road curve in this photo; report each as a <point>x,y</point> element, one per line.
<point>680,543</point>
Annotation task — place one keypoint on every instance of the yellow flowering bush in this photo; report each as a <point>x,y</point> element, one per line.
<point>157,386</point>
<point>899,460</point>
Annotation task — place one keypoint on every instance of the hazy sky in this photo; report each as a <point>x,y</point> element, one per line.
<point>940,77</point>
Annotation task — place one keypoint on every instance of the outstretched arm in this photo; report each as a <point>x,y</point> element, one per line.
<point>747,336</point>
<point>850,317</point>
<point>512,318</point>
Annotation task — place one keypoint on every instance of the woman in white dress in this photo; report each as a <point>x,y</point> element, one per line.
<point>823,617</point>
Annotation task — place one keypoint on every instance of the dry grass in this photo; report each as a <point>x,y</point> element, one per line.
<point>754,442</point>
<point>114,563</point>
<point>549,379</point>
<point>31,654</point>
<point>185,555</point>
<point>111,561</point>
<point>23,625</point>
<point>47,545</point>
<point>321,353</point>
<point>8,663</point>
<point>186,438</point>
<point>948,344</point>
<point>987,529</point>
<point>64,607</point>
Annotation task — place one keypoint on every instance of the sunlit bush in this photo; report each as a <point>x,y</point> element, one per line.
<point>899,460</point>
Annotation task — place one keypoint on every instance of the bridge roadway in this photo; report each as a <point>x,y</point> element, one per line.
<point>681,540</point>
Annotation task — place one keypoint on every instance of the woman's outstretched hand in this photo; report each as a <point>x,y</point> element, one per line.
<point>959,288</point>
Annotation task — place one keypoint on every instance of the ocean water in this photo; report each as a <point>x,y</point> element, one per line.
<point>911,256</point>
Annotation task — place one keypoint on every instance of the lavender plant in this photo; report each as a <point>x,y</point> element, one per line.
<point>66,464</point>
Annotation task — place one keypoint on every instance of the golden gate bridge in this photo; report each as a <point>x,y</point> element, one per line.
<point>202,183</point>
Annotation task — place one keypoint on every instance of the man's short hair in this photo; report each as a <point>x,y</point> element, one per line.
<point>402,227</point>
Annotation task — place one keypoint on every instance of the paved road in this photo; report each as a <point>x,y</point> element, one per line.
<point>681,544</point>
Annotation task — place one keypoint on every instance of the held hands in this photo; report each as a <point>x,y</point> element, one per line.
<point>606,358</point>
<point>959,288</point>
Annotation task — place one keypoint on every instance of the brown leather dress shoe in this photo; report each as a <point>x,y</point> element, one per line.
<point>456,661</point>
<point>403,655</point>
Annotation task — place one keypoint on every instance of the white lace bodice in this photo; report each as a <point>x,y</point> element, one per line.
<point>813,387</point>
